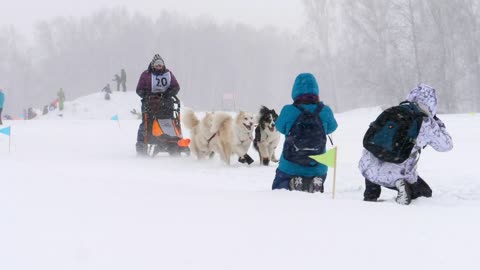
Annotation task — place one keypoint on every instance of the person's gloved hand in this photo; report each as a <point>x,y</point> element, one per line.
<point>439,122</point>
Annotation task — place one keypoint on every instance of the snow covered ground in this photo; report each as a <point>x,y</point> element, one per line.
<point>73,195</point>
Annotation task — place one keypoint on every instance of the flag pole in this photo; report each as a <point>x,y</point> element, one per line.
<point>334,173</point>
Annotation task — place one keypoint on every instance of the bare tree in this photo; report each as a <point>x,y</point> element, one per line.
<point>319,15</point>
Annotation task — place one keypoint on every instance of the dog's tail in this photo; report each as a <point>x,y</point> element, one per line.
<point>190,120</point>
<point>221,122</point>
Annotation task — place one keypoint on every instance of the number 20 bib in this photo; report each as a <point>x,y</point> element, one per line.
<point>160,83</point>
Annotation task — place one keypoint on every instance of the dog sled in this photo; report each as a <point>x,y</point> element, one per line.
<point>163,131</point>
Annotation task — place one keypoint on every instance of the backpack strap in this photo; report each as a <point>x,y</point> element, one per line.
<point>415,107</point>
<point>317,110</point>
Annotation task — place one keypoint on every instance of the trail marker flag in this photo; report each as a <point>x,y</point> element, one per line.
<point>5,131</point>
<point>115,118</point>
<point>328,159</point>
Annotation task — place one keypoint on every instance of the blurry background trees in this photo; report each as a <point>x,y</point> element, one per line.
<point>364,53</point>
<point>379,49</point>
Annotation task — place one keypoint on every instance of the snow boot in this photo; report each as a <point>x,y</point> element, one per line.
<point>296,183</point>
<point>420,189</point>
<point>316,185</point>
<point>372,191</point>
<point>404,192</point>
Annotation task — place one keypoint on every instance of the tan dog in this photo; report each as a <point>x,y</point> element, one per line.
<point>233,137</point>
<point>200,133</point>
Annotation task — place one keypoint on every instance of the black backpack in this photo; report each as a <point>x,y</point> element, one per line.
<point>392,136</point>
<point>306,137</point>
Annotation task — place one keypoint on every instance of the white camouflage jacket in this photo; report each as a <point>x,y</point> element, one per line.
<point>432,132</point>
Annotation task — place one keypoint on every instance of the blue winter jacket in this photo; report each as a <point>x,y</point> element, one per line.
<point>305,84</point>
<point>2,99</point>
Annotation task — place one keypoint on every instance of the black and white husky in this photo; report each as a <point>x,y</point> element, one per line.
<point>266,135</point>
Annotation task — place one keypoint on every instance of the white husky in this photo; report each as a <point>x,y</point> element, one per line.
<point>200,133</point>
<point>233,136</point>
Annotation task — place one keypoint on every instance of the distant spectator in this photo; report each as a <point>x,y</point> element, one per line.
<point>2,101</point>
<point>118,80</point>
<point>123,79</point>
<point>107,91</point>
<point>53,105</point>
<point>61,99</point>
<point>31,114</point>
<point>45,110</point>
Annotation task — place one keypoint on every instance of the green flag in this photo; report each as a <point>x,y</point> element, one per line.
<point>328,159</point>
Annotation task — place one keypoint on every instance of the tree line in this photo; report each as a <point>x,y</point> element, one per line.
<point>379,49</point>
<point>364,53</point>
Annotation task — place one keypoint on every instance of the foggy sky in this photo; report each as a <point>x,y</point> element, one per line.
<point>377,49</point>
<point>285,14</point>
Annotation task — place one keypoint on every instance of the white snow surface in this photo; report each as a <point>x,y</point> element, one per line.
<point>73,195</point>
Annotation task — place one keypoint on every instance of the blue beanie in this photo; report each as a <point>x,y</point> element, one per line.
<point>305,83</point>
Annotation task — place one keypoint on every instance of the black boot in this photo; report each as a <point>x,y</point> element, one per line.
<point>420,189</point>
<point>372,191</point>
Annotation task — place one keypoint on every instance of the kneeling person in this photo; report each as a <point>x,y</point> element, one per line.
<point>381,169</point>
<point>305,124</point>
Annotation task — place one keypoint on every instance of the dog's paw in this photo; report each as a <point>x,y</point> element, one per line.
<point>265,161</point>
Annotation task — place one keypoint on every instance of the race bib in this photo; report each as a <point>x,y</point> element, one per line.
<point>160,83</point>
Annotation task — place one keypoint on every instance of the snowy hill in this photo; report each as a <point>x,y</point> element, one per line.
<point>73,195</point>
<point>94,106</point>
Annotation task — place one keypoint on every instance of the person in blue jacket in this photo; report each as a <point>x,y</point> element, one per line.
<point>289,175</point>
<point>2,100</point>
